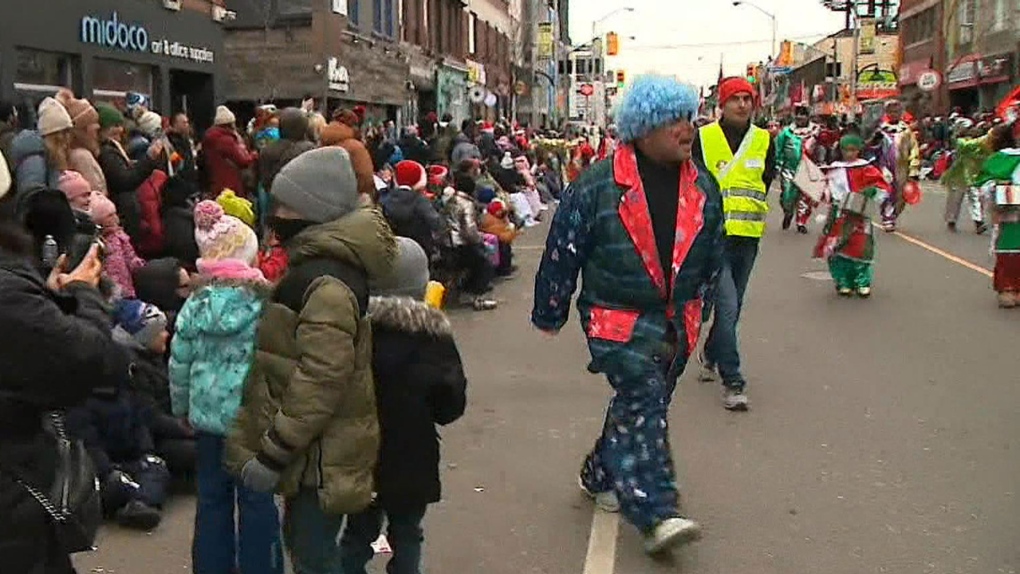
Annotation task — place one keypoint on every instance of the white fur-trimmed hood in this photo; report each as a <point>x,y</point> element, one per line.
<point>409,315</point>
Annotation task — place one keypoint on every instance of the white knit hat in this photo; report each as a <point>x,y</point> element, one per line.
<point>220,236</point>
<point>224,117</point>
<point>53,117</point>
<point>150,123</point>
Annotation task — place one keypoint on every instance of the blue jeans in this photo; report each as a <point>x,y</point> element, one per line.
<point>215,549</point>
<point>311,535</point>
<point>721,347</point>
<point>403,532</point>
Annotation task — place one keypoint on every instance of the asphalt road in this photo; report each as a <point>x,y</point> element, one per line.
<point>882,435</point>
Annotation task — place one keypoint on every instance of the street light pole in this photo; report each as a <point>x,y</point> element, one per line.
<point>596,80</point>
<point>775,23</point>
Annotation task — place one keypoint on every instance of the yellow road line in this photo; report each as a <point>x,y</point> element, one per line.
<point>944,254</point>
<point>601,557</point>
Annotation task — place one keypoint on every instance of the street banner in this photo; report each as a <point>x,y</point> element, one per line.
<point>545,40</point>
<point>866,40</point>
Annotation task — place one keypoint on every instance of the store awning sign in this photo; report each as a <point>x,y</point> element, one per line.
<point>338,76</point>
<point>877,85</point>
<point>113,33</point>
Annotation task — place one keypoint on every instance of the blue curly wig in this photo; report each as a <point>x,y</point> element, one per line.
<point>651,102</point>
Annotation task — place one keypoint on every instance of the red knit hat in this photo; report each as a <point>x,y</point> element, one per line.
<point>437,174</point>
<point>732,86</point>
<point>410,174</point>
<point>497,208</point>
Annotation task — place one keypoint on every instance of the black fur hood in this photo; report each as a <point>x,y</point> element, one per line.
<point>408,315</point>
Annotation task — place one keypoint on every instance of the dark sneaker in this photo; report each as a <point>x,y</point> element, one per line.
<point>670,533</point>
<point>802,229</point>
<point>706,372</point>
<point>980,227</point>
<point>735,400</point>
<point>787,220</point>
<point>138,516</point>
<point>951,226</point>
<point>484,304</point>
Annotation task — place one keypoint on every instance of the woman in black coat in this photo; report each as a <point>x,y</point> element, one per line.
<point>123,175</point>
<point>54,348</point>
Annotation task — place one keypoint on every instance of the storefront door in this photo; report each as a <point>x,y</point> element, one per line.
<point>192,93</point>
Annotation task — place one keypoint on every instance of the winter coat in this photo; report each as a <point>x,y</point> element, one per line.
<point>343,135</point>
<point>410,214</point>
<point>415,149</point>
<point>309,406</point>
<point>83,161</point>
<point>151,238</point>
<point>419,383</point>
<point>462,220</point>
<point>30,167</point>
<point>225,157</point>
<point>186,167</point>
<point>120,260</point>
<point>212,352</point>
<point>156,283</point>
<point>292,143</point>
<point>500,227</point>
<point>114,424</point>
<point>123,178</point>
<point>463,148</point>
<point>629,305</point>
<point>54,349</point>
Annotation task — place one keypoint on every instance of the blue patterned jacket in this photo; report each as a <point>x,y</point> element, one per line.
<point>603,230</point>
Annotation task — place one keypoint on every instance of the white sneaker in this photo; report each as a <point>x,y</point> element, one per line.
<point>671,532</point>
<point>604,501</point>
<point>735,400</point>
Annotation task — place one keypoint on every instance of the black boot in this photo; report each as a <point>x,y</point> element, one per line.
<point>787,220</point>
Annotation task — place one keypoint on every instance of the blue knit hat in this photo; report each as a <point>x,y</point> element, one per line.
<point>140,320</point>
<point>652,102</point>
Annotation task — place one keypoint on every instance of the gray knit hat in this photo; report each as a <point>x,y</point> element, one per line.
<point>318,184</point>
<point>410,274</point>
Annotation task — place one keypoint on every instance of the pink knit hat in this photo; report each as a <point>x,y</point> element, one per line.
<point>221,236</point>
<point>101,209</point>
<point>74,186</point>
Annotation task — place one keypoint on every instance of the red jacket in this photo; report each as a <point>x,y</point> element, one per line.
<point>152,238</point>
<point>225,157</point>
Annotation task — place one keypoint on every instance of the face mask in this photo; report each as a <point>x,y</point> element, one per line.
<point>286,229</point>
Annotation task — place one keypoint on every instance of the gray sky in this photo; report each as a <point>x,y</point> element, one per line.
<point>734,30</point>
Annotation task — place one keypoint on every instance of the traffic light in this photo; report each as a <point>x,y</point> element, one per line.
<point>612,44</point>
<point>620,77</point>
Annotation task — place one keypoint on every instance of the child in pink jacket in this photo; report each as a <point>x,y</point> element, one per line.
<point>120,259</point>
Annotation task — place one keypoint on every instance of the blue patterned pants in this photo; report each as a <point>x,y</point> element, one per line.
<point>633,456</point>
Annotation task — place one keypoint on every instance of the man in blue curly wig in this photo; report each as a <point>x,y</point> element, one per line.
<point>644,229</point>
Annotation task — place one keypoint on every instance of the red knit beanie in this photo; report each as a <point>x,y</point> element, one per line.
<point>732,86</point>
<point>410,174</point>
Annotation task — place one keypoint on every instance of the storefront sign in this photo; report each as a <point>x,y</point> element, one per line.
<point>545,40</point>
<point>476,72</point>
<point>965,70</point>
<point>929,80</point>
<point>113,33</point>
<point>337,76</point>
<point>994,69</point>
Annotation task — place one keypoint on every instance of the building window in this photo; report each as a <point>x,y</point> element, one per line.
<point>389,17</point>
<point>377,15</point>
<point>44,72</point>
<point>353,15</point>
<point>112,79</point>
<point>472,22</point>
<point>1001,16</point>
<point>965,17</point>
<point>339,6</point>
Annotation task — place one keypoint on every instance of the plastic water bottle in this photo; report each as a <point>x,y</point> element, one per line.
<point>50,251</point>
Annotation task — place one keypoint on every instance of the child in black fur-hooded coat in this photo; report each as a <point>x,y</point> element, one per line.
<point>419,383</point>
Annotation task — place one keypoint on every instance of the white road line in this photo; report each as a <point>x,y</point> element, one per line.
<point>601,557</point>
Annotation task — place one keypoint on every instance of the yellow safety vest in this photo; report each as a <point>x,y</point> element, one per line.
<point>740,177</point>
